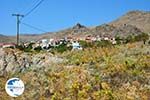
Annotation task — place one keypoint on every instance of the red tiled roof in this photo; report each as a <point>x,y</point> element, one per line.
<point>2,44</point>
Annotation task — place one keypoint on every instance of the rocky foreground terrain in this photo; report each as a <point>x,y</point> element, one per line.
<point>92,74</point>
<point>13,60</point>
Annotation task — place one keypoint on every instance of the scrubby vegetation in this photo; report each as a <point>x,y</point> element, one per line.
<point>109,73</point>
<point>26,48</point>
<point>132,38</point>
<point>103,43</point>
<point>61,48</point>
<point>38,49</point>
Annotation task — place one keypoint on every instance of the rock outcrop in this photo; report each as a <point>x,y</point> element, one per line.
<point>12,60</point>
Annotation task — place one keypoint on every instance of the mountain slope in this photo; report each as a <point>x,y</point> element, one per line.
<point>140,19</point>
<point>7,39</point>
<point>111,30</point>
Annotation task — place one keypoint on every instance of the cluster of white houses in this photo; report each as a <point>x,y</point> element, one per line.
<point>69,40</point>
<point>48,43</point>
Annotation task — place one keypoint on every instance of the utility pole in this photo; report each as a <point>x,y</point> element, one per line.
<point>18,25</point>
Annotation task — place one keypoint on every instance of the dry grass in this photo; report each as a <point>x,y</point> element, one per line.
<point>116,73</point>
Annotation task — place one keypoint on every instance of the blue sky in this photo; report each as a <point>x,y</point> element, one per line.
<point>55,15</point>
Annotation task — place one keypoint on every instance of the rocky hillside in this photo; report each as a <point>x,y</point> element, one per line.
<point>140,19</point>
<point>110,30</point>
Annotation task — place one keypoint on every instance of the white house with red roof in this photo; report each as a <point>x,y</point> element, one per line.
<point>7,45</point>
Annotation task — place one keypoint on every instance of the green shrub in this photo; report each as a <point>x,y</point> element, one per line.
<point>118,39</point>
<point>28,48</point>
<point>142,37</point>
<point>85,44</point>
<point>25,49</point>
<point>61,48</point>
<point>38,49</point>
<point>149,42</point>
<point>129,39</point>
<point>20,47</point>
<point>103,43</point>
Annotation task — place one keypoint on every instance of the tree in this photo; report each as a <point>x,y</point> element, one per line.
<point>149,42</point>
<point>130,38</point>
<point>38,49</point>
<point>28,48</point>
<point>103,43</point>
<point>142,37</point>
<point>118,39</point>
<point>61,48</point>
<point>20,47</point>
<point>85,44</point>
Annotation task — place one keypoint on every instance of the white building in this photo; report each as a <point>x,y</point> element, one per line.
<point>76,46</point>
<point>44,43</point>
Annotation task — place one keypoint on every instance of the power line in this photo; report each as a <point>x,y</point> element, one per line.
<point>35,5</point>
<point>38,4</point>
<point>33,27</point>
<point>18,25</point>
<point>29,6</point>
